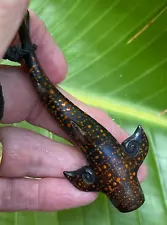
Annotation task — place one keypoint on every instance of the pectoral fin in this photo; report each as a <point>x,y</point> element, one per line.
<point>83,179</point>
<point>80,134</point>
<point>137,145</point>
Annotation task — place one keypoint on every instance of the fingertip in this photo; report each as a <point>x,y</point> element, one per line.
<point>49,54</point>
<point>60,194</point>
<point>142,173</point>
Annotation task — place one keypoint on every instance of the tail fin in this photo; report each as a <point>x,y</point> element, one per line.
<point>24,31</point>
<point>27,20</point>
<point>1,103</point>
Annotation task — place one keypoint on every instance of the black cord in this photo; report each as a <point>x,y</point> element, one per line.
<point>16,53</point>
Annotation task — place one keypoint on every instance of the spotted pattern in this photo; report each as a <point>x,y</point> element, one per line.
<point>112,166</point>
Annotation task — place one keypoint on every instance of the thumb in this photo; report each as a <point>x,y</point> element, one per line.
<point>11,15</point>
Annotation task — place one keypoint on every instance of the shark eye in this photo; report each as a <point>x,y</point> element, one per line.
<point>88,177</point>
<point>132,148</point>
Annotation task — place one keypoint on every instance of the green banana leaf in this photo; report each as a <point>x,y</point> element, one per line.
<point>117,56</point>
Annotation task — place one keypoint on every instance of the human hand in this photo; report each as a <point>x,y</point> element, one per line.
<point>26,153</point>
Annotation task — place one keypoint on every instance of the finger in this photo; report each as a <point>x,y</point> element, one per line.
<point>49,54</point>
<point>11,14</point>
<point>28,154</point>
<point>19,102</point>
<point>47,194</point>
